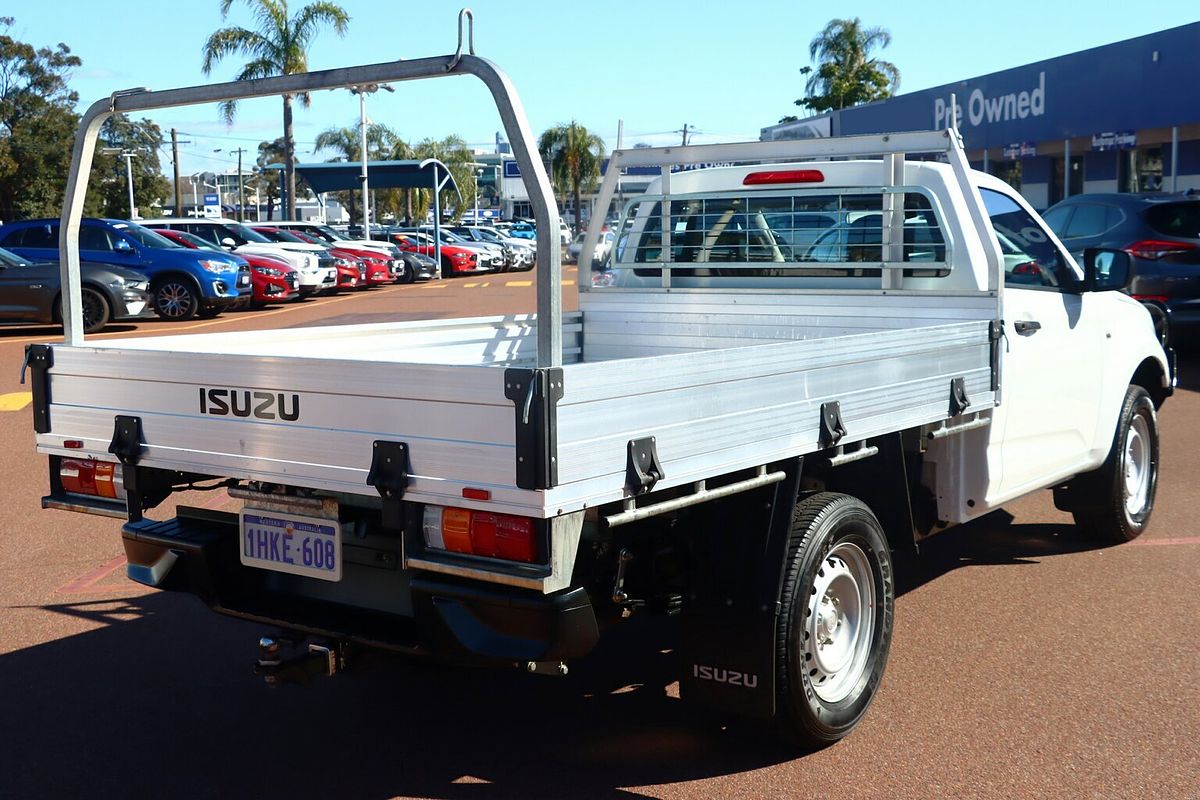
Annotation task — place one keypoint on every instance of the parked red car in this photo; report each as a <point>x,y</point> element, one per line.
<point>272,280</point>
<point>352,272</point>
<point>455,260</point>
<point>380,269</point>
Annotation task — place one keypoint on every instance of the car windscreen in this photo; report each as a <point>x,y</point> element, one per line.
<point>327,233</point>
<point>1175,219</point>
<point>11,259</point>
<point>279,235</point>
<point>247,234</point>
<point>195,241</point>
<point>146,237</point>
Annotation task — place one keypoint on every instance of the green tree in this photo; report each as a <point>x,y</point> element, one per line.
<point>454,153</point>
<point>347,144</point>
<point>574,154</point>
<point>266,181</point>
<point>278,47</point>
<point>37,126</point>
<point>108,192</point>
<point>846,75</point>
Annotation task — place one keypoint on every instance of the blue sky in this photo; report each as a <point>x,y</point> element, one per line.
<point>725,70</point>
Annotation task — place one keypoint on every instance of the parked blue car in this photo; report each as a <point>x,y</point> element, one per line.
<point>183,282</point>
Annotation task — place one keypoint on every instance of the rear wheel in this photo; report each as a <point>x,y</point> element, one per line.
<point>1114,502</point>
<point>837,606</point>
<point>176,299</point>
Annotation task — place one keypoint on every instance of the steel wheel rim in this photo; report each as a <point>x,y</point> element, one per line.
<point>1138,466</point>
<point>840,622</point>
<point>174,300</point>
<point>93,312</point>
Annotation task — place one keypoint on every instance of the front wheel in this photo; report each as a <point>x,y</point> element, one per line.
<point>837,605</point>
<point>1117,498</point>
<point>96,312</point>
<point>407,273</point>
<point>176,299</point>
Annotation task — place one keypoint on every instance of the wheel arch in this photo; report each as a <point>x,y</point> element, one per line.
<point>105,292</point>
<point>1152,376</point>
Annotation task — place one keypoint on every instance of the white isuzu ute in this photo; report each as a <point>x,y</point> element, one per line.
<point>792,369</point>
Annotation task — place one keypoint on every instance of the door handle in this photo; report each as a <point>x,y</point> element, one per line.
<point>1027,326</point>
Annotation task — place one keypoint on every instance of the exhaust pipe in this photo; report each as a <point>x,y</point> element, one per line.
<point>314,661</point>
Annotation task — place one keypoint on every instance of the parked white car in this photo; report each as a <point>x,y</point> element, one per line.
<point>315,269</point>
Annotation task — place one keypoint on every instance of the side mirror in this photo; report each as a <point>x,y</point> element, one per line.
<point>228,242</point>
<point>122,246</point>
<point>1105,270</point>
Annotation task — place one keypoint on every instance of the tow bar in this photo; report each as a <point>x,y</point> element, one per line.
<point>315,660</point>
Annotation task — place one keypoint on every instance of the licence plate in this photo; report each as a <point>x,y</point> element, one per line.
<point>309,546</point>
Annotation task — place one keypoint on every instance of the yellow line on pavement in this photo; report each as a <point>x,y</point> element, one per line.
<point>170,329</point>
<point>519,283</point>
<point>470,285</point>
<point>15,401</point>
<point>568,283</point>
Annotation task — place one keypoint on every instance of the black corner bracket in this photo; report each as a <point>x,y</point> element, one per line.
<point>389,476</point>
<point>959,402</point>
<point>126,442</point>
<point>642,467</point>
<point>535,394</point>
<point>832,427</point>
<point>39,358</point>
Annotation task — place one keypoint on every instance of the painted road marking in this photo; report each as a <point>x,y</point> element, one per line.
<point>173,329</point>
<point>470,285</point>
<point>1164,541</point>
<point>15,401</point>
<point>568,283</point>
<point>86,583</point>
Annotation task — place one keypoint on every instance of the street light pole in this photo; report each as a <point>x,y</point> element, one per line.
<point>362,92</point>
<point>241,203</point>
<point>129,156</point>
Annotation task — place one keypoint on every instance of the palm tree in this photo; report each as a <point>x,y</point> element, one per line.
<point>846,75</point>
<point>347,143</point>
<point>574,154</point>
<point>454,153</point>
<point>278,47</point>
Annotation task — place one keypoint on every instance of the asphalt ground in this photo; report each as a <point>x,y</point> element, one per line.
<point>1027,661</point>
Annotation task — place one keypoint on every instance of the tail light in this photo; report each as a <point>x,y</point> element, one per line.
<point>1155,249</point>
<point>480,533</point>
<point>783,176</point>
<point>90,477</point>
<point>1151,298</point>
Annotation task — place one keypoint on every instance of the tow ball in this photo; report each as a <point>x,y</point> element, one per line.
<point>317,659</point>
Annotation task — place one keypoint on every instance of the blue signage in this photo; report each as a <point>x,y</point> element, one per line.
<point>1119,140</point>
<point>1131,85</point>
<point>212,200</point>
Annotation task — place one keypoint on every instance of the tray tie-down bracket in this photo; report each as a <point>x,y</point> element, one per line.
<point>959,402</point>
<point>642,467</point>
<point>389,476</point>
<point>832,427</point>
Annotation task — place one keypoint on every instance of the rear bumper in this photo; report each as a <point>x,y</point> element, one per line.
<point>196,553</point>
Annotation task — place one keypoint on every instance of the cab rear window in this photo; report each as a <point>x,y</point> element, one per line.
<point>794,233</point>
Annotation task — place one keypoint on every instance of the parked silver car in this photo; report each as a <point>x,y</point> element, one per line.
<point>29,292</point>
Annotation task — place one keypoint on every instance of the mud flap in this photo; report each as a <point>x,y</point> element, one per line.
<point>728,622</point>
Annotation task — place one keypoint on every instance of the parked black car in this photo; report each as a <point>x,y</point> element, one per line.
<point>29,292</point>
<point>1162,234</point>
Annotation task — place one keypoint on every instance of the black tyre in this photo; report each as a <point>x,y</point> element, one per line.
<point>176,299</point>
<point>1113,503</point>
<point>835,628</point>
<point>407,273</point>
<point>96,311</point>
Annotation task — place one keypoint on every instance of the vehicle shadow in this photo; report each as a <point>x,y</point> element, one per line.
<point>158,699</point>
<point>1188,369</point>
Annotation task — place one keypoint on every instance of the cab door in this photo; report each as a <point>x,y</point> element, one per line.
<point>1053,356</point>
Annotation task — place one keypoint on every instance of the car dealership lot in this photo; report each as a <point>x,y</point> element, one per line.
<point>1028,662</point>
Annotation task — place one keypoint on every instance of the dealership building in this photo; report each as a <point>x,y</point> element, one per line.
<point>1124,117</point>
